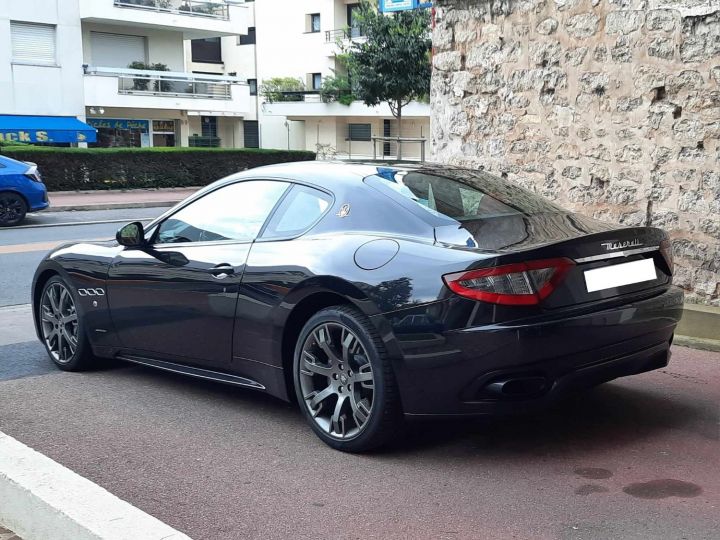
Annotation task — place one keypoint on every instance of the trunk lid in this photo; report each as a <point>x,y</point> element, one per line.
<point>591,244</point>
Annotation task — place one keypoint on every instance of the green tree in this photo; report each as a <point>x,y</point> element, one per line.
<point>393,63</point>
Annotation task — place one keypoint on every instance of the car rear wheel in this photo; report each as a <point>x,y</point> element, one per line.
<point>62,327</point>
<point>12,209</point>
<point>344,381</point>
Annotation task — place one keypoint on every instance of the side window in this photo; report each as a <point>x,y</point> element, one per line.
<point>299,211</point>
<point>234,212</point>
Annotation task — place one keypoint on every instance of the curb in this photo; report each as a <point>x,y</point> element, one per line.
<point>41,499</point>
<point>112,206</point>
<point>697,343</point>
<point>700,321</point>
<point>133,190</point>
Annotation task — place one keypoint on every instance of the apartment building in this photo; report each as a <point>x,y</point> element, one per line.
<point>188,73</point>
<point>120,66</point>
<point>301,39</point>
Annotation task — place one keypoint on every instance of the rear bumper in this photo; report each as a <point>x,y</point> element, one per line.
<point>36,195</point>
<point>466,371</point>
<point>39,198</point>
<point>39,207</point>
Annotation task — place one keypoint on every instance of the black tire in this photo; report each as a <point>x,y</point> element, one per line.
<point>59,330</point>
<point>385,417</point>
<point>12,209</point>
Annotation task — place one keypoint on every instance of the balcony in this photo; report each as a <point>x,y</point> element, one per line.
<point>310,104</point>
<point>192,8</point>
<point>336,39</point>
<point>135,88</point>
<point>195,18</point>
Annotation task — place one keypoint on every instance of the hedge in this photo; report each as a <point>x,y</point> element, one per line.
<point>67,169</point>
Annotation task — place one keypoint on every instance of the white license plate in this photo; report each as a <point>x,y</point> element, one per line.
<point>618,275</point>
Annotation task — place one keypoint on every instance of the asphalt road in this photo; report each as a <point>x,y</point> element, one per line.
<point>22,248</point>
<point>635,458</point>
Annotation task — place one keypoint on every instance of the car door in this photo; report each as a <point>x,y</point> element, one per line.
<point>175,299</point>
<point>278,261</point>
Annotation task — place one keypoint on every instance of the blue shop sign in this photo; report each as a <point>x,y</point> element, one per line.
<point>44,129</point>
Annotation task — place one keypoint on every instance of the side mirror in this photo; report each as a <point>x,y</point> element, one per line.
<point>131,235</point>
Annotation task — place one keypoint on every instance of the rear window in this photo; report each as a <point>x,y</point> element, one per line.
<point>465,195</point>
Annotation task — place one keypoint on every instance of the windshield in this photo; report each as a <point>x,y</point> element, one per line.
<point>465,195</point>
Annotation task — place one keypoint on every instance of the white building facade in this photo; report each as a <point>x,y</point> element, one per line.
<point>300,39</point>
<point>120,65</point>
<point>188,73</point>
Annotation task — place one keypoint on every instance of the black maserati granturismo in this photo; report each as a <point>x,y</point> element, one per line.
<point>368,293</point>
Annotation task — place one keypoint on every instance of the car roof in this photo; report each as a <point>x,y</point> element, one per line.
<point>337,171</point>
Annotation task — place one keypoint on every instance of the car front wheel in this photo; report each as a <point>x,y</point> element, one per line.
<point>12,209</point>
<point>344,381</point>
<point>62,327</point>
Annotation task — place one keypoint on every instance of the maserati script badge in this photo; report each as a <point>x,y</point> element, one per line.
<point>612,246</point>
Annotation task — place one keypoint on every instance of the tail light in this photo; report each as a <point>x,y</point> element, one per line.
<point>517,284</point>
<point>33,174</point>
<point>667,253</point>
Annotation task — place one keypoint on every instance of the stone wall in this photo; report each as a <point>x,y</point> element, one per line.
<point>609,107</point>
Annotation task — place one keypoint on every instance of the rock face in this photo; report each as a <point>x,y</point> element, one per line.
<point>609,107</point>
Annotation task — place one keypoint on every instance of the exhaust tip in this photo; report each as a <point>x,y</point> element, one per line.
<point>517,387</point>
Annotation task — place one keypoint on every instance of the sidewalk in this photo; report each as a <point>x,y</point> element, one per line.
<point>61,201</point>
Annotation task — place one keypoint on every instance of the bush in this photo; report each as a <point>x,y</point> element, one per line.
<point>66,169</point>
<point>275,89</point>
<point>336,88</point>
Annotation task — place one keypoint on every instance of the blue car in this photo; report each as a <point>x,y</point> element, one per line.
<point>21,191</point>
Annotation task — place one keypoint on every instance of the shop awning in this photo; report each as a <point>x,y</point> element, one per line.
<point>45,129</point>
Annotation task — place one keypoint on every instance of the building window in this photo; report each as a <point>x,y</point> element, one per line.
<point>252,83</point>
<point>315,81</point>
<point>163,132</point>
<point>353,10</point>
<point>117,50</point>
<point>120,133</point>
<point>312,22</point>
<point>208,136</point>
<point>33,43</point>
<point>359,132</point>
<point>209,126</point>
<point>251,131</point>
<point>208,50</point>
<point>249,38</point>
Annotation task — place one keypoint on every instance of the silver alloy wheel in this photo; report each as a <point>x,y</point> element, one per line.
<point>336,380</point>
<point>59,322</point>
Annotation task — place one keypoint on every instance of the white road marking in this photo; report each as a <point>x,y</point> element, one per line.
<point>43,246</point>
<point>39,498</point>
<point>73,223</point>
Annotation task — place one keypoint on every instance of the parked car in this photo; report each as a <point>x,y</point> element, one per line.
<point>366,293</point>
<point>21,191</point>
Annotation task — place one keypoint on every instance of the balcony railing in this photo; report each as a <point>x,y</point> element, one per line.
<point>217,9</point>
<point>342,34</point>
<point>168,83</point>
<point>307,96</point>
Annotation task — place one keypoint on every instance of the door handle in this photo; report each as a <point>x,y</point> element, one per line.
<point>221,271</point>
